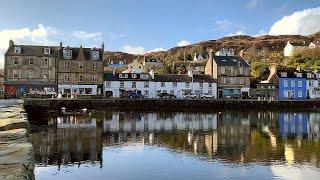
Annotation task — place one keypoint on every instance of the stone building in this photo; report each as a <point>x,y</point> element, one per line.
<point>29,69</point>
<point>153,63</point>
<point>136,67</point>
<point>232,74</point>
<point>80,70</point>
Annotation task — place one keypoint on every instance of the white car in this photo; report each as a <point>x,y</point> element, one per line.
<point>190,96</point>
<point>207,96</point>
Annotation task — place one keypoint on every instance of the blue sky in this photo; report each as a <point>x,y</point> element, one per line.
<point>139,26</point>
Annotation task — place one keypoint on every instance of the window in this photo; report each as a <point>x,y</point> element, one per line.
<point>67,53</point>
<point>163,84</point>
<point>283,74</point>
<point>201,85</point>
<point>231,80</point>
<point>15,61</point>
<point>285,83</point>
<point>94,66</point>
<point>80,66</point>
<point>299,74</point>
<point>46,62</point>
<point>241,70</point>
<point>30,61</point>
<point>134,84</point>
<point>66,65</point>
<point>94,55</point>
<point>47,50</point>
<point>30,74</point>
<point>94,78</point>
<point>134,76</point>
<point>15,74</point>
<point>210,85</point>
<point>108,84</point>
<point>224,80</point>
<point>293,83</point>
<point>174,84</point>
<point>17,49</point>
<point>222,70</point>
<point>123,75</point>
<point>171,91</point>
<point>309,75</point>
<point>187,85</point>
<point>66,78</point>
<point>300,83</point>
<point>45,75</point>
<point>146,84</point>
<point>121,84</point>
<point>300,93</point>
<point>80,78</point>
<point>241,81</point>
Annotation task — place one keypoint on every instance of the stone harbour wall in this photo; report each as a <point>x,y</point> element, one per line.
<point>16,150</point>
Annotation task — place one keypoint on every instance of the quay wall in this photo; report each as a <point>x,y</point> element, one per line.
<point>166,104</point>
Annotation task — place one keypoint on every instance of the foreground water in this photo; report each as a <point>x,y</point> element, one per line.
<point>177,145</point>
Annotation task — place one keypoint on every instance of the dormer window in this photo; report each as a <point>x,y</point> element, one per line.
<point>299,74</point>
<point>17,49</point>
<point>94,55</point>
<point>309,75</point>
<point>283,74</point>
<point>67,53</point>
<point>47,50</point>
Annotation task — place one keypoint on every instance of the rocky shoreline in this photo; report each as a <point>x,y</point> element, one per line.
<point>16,150</point>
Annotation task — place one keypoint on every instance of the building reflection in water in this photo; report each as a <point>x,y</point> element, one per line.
<point>231,136</point>
<point>69,140</point>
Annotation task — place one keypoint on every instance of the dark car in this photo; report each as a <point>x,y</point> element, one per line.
<point>166,95</point>
<point>134,95</point>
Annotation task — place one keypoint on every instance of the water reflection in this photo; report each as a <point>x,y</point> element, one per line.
<point>241,138</point>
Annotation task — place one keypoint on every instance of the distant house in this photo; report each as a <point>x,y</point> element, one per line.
<point>225,52</point>
<point>197,58</point>
<point>313,89</point>
<point>232,74</point>
<point>116,64</point>
<point>269,87</point>
<point>293,47</point>
<point>314,44</point>
<point>292,85</point>
<point>136,67</point>
<point>153,63</point>
<point>1,84</point>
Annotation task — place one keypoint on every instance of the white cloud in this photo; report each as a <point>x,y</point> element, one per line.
<point>134,49</point>
<point>183,43</point>
<point>253,4</point>
<point>83,35</point>
<point>157,50</point>
<point>303,22</point>
<point>40,35</point>
<point>240,32</point>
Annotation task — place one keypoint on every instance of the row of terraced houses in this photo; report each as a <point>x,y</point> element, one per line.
<point>78,70</point>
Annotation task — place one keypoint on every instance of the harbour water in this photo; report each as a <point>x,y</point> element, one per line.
<point>177,145</point>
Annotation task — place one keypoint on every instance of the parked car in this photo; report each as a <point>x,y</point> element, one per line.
<point>206,96</point>
<point>190,96</point>
<point>134,95</point>
<point>166,95</point>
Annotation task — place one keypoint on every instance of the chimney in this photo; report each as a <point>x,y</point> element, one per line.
<point>11,43</point>
<point>102,46</point>
<point>211,61</point>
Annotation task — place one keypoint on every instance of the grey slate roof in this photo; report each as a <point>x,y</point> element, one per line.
<point>86,53</point>
<point>32,50</point>
<point>183,78</point>
<point>230,61</point>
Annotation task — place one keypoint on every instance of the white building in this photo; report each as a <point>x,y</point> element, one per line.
<point>197,58</point>
<point>151,85</point>
<point>225,52</point>
<point>313,89</point>
<point>291,48</point>
<point>314,44</point>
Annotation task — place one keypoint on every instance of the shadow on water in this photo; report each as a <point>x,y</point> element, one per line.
<point>231,138</point>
